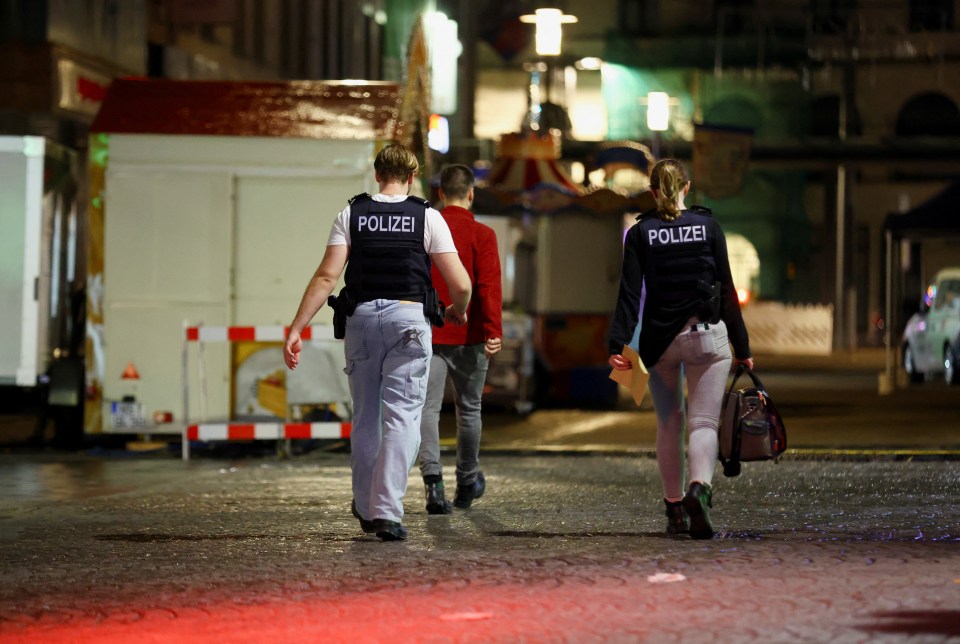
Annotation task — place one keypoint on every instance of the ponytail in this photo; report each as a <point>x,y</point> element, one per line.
<point>668,177</point>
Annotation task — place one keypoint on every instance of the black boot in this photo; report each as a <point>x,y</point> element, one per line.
<point>699,497</point>
<point>436,500</point>
<point>676,519</point>
<point>365,525</point>
<point>389,530</point>
<point>467,493</point>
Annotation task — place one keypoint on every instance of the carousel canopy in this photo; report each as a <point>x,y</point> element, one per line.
<point>527,177</point>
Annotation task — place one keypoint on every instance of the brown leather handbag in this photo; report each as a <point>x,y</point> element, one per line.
<point>751,428</point>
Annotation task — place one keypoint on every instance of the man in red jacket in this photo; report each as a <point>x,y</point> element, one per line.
<point>462,352</point>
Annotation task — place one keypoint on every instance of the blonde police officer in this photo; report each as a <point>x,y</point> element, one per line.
<point>387,243</point>
<point>690,317</point>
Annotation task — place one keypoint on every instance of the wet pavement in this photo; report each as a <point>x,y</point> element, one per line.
<point>562,548</point>
<point>853,537</point>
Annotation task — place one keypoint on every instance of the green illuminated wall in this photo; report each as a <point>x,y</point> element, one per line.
<point>769,211</point>
<point>776,110</point>
<point>624,90</point>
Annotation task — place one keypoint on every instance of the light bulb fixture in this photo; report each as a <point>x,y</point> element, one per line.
<point>549,33</point>
<point>590,63</point>
<point>658,111</point>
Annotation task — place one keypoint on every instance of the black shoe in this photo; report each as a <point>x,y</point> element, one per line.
<point>467,493</point>
<point>699,497</point>
<point>436,500</point>
<point>389,530</point>
<point>676,519</point>
<point>365,525</point>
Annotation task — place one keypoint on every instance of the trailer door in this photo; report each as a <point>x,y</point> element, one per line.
<point>282,226</point>
<point>166,259</point>
<point>281,233</point>
<point>22,341</point>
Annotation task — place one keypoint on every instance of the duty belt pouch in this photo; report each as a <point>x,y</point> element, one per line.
<point>709,310</point>
<point>751,428</point>
<point>433,308</point>
<point>343,306</point>
<point>339,318</point>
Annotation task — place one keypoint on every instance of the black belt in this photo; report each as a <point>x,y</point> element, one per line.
<point>703,326</point>
<point>415,298</point>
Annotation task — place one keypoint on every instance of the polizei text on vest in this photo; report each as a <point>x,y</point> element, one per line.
<point>677,235</point>
<point>386,223</point>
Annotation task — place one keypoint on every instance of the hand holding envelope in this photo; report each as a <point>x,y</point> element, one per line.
<point>635,379</point>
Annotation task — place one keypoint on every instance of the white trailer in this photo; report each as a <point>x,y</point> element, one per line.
<point>212,202</point>
<point>23,322</point>
<point>39,231</point>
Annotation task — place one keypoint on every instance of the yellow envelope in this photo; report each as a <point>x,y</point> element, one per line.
<point>634,379</point>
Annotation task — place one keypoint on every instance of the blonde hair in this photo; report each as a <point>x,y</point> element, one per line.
<point>668,177</point>
<point>395,163</point>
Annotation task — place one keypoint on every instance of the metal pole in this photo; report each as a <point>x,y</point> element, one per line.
<point>718,50</point>
<point>202,370</point>
<point>839,311</point>
<point>888,308</point>
<point>184,375</point>
<point>467,70</point>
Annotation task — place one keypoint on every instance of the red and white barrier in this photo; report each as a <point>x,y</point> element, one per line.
<point>266,431</point>
<point>228,431</point>
<point>254,333</point>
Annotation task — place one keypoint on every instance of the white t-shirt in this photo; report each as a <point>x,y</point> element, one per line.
<point>436,233</point>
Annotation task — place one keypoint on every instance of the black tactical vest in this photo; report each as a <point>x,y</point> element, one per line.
<point>387,258</point>
<point>678,259</point>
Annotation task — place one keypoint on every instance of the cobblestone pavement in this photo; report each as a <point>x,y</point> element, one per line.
<point>560,549</point>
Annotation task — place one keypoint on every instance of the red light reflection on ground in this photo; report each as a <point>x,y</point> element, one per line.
<point>549,609</point>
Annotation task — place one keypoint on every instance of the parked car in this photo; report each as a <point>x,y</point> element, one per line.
<point>931,341</point>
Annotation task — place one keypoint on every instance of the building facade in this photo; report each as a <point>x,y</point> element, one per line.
<point>849,109</point>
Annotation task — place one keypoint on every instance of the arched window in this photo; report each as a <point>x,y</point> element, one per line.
<point>744,266</point>
<point>929,114</point>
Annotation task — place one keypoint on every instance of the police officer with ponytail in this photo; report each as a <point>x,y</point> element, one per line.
<point>675,267</point>
<point>388,243</point>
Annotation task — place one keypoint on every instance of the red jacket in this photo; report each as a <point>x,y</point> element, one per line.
<point>477,247</point>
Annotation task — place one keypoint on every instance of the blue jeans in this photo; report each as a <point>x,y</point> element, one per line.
<point>704,357</point>
<point>388,348</point>
<point>467,367</point>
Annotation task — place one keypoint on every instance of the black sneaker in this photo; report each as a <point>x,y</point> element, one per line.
<point>467,493</point>
<point>676,519</point>
<point>699,497</point>
<point>389,530</point>
<point>365,525</point>
<point>436,499</point>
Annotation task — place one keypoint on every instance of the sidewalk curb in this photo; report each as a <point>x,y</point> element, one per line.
<point>804,454</point>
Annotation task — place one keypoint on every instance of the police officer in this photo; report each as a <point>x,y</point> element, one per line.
<point>390,240</point>
<point>678,256</point>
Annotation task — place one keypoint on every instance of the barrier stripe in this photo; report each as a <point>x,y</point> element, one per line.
<point>271,333</point>
<point>213,334</point>
<point>266,431</point>
<point>241,333</point>
<point>254,333</point>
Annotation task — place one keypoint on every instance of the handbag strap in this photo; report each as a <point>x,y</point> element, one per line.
<point>741,369</point>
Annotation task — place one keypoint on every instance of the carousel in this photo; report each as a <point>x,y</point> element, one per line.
<point>560,249</point>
